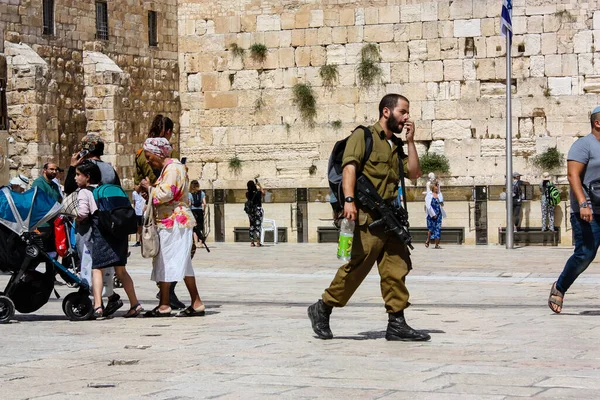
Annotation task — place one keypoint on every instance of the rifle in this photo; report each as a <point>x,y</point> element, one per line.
<point>394,219</point>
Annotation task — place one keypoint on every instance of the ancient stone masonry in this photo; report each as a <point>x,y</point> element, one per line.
<point>63,86</point>
<point>447,57</point>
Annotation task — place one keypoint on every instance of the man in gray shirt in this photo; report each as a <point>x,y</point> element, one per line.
<point>583,167</point>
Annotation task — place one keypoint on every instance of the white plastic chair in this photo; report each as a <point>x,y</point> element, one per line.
<point>268,225</point>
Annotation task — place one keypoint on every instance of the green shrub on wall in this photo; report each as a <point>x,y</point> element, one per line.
<point>431,162</point>
<point>549,160</point>
<point>304,98</point>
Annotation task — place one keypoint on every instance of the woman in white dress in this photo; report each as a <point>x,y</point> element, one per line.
<point>175,222</point>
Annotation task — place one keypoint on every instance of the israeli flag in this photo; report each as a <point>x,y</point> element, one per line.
<point>506,19</point>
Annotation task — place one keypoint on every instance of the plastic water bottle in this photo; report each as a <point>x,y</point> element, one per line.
<point>345,242</point>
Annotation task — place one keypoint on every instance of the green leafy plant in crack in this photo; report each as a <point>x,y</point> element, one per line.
<point>368,70</point>
<point>432,162</point>
<point>329,75</point>
<point>258,52</point>
<point>549,160</point>
<point>337,124</point>
<point>235,165</point>
<point>304,98</point>
<point>236,50</point>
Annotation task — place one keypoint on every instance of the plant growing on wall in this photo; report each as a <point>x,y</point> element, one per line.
<point>236,50</point>
<point>549,160</point>
<point>304,98</point>
<point>312,169</point>
<point>329,75</point>
<point>432,162</point>
<point>235,165</point>
<point>368,69</point>
<point>337,124</point>
<point>258,52</point>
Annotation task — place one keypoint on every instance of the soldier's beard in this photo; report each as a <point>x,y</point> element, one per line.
<point>394,125</point>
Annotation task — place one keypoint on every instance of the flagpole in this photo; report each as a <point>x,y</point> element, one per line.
<point>509,171</point>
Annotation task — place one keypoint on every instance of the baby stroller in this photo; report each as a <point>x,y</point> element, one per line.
<point>21,252</point>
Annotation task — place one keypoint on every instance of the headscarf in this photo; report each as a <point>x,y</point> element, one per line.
<point>159,146</point>
<point>20,180</point>
<point>92,143</point>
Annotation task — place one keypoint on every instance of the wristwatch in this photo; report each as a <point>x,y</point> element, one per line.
<point>584,204</point>
<point>349,199</point>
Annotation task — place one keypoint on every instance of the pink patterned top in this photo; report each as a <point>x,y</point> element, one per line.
<point>169,197</point>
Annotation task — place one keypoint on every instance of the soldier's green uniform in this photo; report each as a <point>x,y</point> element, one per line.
<point>392,256</point>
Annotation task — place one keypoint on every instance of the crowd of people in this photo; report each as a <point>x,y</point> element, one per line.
<point>161,179</point>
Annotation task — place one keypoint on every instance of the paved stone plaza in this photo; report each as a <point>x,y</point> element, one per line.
<point>493,336</point>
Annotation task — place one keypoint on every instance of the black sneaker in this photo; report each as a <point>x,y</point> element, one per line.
<point>319,317</point>
<point>398,329</point>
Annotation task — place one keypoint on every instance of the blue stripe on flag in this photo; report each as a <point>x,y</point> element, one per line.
<point>506,18</point>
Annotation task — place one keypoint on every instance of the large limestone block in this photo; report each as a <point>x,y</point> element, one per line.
<point>246,80</point>
<point>416,71</point>
<point>339,35</point>
<point>592,84</point>
<point>394,52</point>
<point>332,18</point>
<point>286,57</point>
<point>456,148</point>
<point>461,9</point>
<point>434,49</point>
<point>486,69</point>
<point>410,13</point>
<point>336,54</point>
<point>318,56</point>
<point>378,33</point>
<point>324,35</point>
<point>533,44</point>
<point>583,42</point>
<point>347,16</point>
<point>430,30</point>
<point>453,70</point>
<point>429,11</point>
<point>467,28</point>
<point>298,37</point>
<point>560,86</point>
<point>535,24</point>
<point>569,65</point>
<point>446,109</point>
<point>302,56</point>
<point>316,19</point>
<point>355,34</point>
<point>220,100</point>
<point>311,36</point>
<point>268,22</point>
<point>399,72</point>
<point>389,15</point>
<point>434,71</point>
<point>415,31</point>
<point>272,79</point>
<point>451,129</point>
<point>417,49</point>
<point>448,48</point>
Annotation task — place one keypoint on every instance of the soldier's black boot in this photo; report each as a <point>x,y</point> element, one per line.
<point>398,329</point>
<point>319,317</point>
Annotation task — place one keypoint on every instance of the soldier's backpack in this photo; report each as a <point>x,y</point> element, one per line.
<point>334,167</point>
<point>116,216</point>
<point>552,194</point>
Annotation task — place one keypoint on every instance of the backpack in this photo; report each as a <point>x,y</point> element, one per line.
<point>116,216</point>
<point>334,167</point>
<point>197,199</point>
<point>249,205</point>
<point>552,194</point>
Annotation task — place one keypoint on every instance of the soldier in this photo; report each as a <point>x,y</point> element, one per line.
<point>391,254</point>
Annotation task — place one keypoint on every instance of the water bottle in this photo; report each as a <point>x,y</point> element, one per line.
<point>345,242</point>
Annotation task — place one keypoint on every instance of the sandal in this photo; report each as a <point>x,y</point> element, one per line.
<point>134,311</point>
<point>252,244</point>
<point>191,312</point>
<point>98,312</point>
<point>114,303</point>
<point>427,243</point>
<point>555,300</point>
<point>437,246</point>
<point>156,313</point>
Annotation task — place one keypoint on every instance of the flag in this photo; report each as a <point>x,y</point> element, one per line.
<point>506,19</point>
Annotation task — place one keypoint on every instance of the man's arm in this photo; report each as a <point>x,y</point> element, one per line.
<point>574,172</point>
<point>414,166</point>
<point>348,186</point>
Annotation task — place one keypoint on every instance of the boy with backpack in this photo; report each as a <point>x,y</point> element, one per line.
<point>550,198</point>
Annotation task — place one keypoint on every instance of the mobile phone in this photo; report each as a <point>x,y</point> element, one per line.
<point>83,153</point>
<point>183,160</point>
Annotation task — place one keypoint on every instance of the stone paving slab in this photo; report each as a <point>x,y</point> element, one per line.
<point>493,336</point>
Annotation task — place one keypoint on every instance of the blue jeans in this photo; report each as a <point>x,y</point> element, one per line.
<point>587,240</point>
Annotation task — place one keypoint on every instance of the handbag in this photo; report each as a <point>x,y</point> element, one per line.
<point>150,243</point>
<point>593,190</point>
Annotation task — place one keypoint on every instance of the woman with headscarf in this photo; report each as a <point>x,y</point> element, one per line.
<point>253,208</point>
<point>175,222</point>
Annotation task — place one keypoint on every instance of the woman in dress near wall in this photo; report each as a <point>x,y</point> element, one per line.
<point>433,205</point>
<point>175,221</point>
<point>255,211</point>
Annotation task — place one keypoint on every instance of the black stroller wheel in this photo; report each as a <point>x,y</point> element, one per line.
<point>117,282</point>
<point>78,306</point>
<point>7,309</point>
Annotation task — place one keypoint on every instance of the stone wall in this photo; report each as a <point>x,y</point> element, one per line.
<point>447,57</point>
<point>58,91</point>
